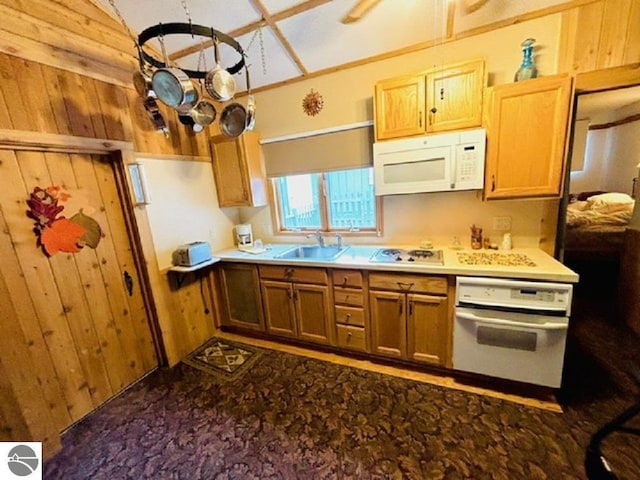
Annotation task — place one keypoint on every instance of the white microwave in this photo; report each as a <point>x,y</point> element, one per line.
<point>432,163</point>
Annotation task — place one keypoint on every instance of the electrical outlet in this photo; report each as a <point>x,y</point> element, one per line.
<point>502,223</point>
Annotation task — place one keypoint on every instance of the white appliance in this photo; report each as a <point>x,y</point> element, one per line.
<point>511,329</point>
<point>432,163</point>
<point>191,254</point>
<point>244,235</point>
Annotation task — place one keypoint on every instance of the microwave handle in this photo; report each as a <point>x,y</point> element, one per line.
<point>498,321</point>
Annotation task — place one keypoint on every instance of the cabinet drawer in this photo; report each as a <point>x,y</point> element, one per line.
<point>408,283</point>
<point>294,274</point>
<point>347,278</point>
<point>348,296</point>
<point>353,338</point>
<point>350,316</point>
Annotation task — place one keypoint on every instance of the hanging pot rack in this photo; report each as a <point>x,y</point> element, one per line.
<point>164,29</point>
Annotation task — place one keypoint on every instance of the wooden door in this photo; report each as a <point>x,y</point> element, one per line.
<point>313,312</point>
<point>277,298</point>
<point>400,107</point>
<point>526,134</point>
<point>454,97</point>
<point>427,332</point>
<point>388,323</point>
<point>81,315</point>
<point>242,305</point>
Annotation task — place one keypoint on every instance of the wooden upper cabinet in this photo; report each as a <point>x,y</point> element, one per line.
<point>238,169</point>
<point>527,126</point>
<point>443,98</point>
<point>400,107</point>
<point>454,97</point>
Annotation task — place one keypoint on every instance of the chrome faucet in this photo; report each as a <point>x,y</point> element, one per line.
<point>339,240</point>
<point>318,236</point>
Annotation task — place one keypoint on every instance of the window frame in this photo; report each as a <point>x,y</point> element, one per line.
<point>276,213</point>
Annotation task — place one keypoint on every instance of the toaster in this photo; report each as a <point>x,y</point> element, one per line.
<point>191,254</point>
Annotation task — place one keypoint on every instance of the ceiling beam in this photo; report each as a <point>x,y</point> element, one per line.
<point>267,18</point>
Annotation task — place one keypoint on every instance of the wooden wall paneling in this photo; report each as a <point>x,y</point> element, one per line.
<point>567,46</point>
<point>5,118</point>
<point>587,39</point>
<point>64,18</point>
<point>22,23</point>
<point>613,36</point>
<point>76,104</point>
<point>115,111</point>
<point>17,184</point>
<point>193,295</point>
<point>12,422</point>
<point>34,95</point>
<point>93,101</point>
<point>124,255</point>
<point>13,96</point>
<point>130,364</point>
<point>56,100</point>
<point>140,123</point>
<point>24,314</point>
<point>632,47</point>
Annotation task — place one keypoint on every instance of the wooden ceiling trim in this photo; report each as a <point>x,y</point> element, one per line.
<point>278,33</point>
<point>451,16</point>
<point>276,17</point>
<point>53,142</point>
<point>616,123</point>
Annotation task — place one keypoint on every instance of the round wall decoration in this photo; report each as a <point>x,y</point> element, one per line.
<point>312,104</point>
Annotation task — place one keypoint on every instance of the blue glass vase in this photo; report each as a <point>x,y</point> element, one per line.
<point>527,69</point>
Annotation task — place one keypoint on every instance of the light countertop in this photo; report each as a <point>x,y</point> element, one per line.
<point>541,266</point>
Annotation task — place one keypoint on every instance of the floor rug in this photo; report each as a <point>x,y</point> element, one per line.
<point>223,358</point>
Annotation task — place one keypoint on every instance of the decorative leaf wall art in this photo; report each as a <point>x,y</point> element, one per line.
<point>55,232</point>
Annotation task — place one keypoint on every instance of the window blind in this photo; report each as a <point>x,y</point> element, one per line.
<point>340,150</point>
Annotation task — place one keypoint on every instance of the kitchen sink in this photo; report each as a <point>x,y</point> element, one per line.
<point>312,252</point>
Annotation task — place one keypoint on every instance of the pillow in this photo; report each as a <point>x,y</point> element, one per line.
<point>609,199</point>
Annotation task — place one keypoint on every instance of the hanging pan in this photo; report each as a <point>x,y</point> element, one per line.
<point>173,87</point>
<point>236,119</point>
<point>219,82</point>
<point>203,113</point>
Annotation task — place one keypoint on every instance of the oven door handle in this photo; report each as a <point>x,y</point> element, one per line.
<point>499,321</point>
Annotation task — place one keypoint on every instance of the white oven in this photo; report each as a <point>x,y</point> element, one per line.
<point>511,329</point>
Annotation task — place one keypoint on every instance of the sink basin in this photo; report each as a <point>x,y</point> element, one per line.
<point>312,252</point>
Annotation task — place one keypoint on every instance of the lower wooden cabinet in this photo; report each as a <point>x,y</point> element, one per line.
<point>402,316</point>
<point>241,302</point>
<point>411,326</point>
<point>296,309</point>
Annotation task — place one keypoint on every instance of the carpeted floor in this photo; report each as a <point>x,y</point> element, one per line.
<point>291,417</point>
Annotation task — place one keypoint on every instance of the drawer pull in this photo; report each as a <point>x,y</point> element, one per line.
<point>400,306</point>
<point>345,280</point>
<point>347,318</point>
<point>405,286</point>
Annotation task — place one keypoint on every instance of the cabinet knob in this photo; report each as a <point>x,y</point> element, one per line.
<point>347,318</point>
<point>493,183</point>
<point>349,335</point>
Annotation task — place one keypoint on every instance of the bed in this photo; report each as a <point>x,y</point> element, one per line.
<point>596,222</point>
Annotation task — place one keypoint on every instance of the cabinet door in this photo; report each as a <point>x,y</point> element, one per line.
<point>526,134</point>
<point>454,97</point>
<point>238,170</point>
<point>399,107</point>
<point>388,324</point>
<point>427,329</point>
<point>313,312</point>
<point>242,305</point>
<point>277,298</point>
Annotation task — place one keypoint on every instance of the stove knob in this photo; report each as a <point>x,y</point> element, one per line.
<point>411,259</point>
<point>398,258</point>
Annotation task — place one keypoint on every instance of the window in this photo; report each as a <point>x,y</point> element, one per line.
<point>342,200</point>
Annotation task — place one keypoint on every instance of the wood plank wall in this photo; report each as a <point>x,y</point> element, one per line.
<point>65,69</point>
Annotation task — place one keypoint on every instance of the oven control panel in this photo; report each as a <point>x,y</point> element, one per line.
<point>500,293</point>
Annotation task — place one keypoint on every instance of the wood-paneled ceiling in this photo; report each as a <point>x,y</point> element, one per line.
<point>287,40</point>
